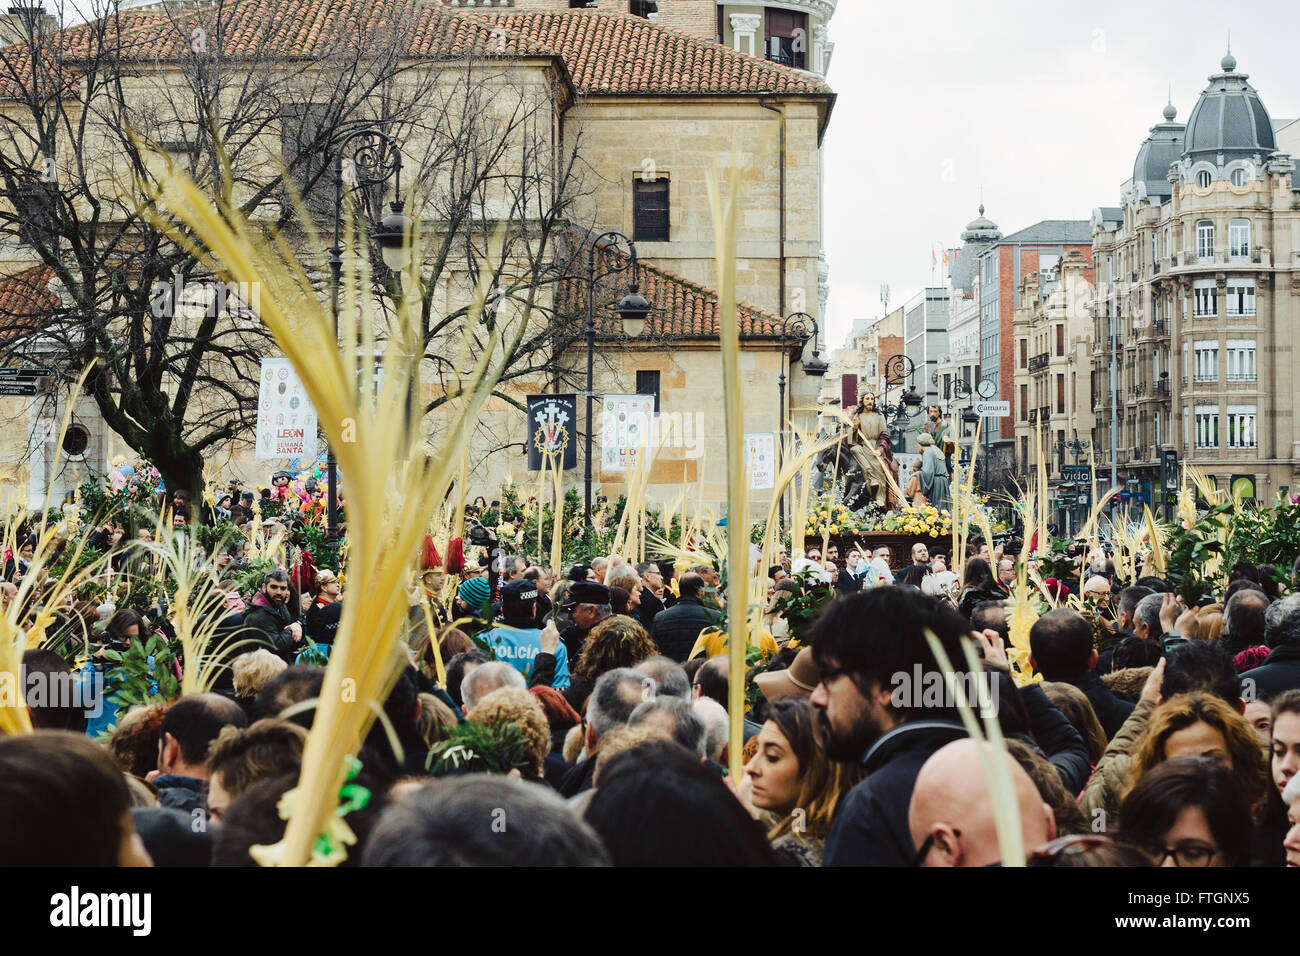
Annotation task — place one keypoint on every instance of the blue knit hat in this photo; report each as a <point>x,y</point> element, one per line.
<point>474,592</point>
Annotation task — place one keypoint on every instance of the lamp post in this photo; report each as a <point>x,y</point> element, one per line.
<point>900,370</point>
<point>958,389</point>
<point>376,158</point>
<point>632,309</point>
<point>801,326</point>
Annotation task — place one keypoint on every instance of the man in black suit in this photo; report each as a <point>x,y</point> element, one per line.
<point>854,571</point>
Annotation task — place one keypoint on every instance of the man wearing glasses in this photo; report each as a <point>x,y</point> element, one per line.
<point>951,813</point>
<point>871,651</point>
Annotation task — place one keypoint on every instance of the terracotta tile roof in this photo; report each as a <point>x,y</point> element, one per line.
<point>605,52</point>
<point>608,52</point>
<point>26,302</point>
<point>683,309</point>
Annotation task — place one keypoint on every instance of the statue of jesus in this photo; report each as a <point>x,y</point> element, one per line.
<point>870,447</point>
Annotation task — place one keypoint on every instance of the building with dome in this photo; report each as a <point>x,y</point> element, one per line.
<point>1198,274</point>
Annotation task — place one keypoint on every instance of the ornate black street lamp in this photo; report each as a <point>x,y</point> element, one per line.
<point>375,159</point>
<point>799,326</point>
<point>632,309</point>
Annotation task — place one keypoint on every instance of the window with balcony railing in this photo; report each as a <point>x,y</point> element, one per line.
<point>1241,296</point>
<point>1207,361</point>
<point>1205,240</point>
<point>1240,360</point>
<point>1207,426</point>
<point>1205,298</point>
<point>1239,239</point>
<point>1241,427</point>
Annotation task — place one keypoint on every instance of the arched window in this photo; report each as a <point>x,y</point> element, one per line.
<point>1238,177</point>
<point>1239,238</point>
<point>1205,239</point>
<point>1203,179</point>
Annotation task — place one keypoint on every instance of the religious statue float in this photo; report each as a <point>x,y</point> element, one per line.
<point>858,479</point>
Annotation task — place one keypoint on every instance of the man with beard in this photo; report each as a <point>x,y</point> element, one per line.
<point>269,613</point>
<point>877,702</point>
<point>869,432</point>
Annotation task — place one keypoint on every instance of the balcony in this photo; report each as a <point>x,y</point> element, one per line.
<point>1045,412</point>
<point>1033,416</point>
<point>1161,327</point>
<point>1039,361</point>
<point>1162,388</point>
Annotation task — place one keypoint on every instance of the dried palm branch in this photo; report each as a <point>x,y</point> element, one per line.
<point>993,762</point>
<point>196,609</point>
<point>393,487</point>
<point>724,239</point>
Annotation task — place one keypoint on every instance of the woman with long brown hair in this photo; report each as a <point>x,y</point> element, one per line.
<point>791,777</point>
<point>1202,725</point>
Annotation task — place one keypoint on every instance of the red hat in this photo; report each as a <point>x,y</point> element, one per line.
<point>429,557</point>
<point>455,556</point>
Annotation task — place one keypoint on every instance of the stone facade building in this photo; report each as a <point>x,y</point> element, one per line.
<point>1053,407</point>
<point>1003,266</point>
<point>1199,300</point>
<point>649,109</point>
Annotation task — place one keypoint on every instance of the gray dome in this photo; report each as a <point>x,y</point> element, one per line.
<point>1229,119</point>
<point>1158,152</point>
<point>980,229</point>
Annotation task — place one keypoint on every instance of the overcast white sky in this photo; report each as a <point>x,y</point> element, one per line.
<point>1043,105</point>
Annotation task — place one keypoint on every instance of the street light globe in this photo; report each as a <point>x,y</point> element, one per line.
<point>391,235</point>
<point>815,366</point>
<point>633,309</point>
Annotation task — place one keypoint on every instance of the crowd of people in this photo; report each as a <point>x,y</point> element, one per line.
<point>587,708</point>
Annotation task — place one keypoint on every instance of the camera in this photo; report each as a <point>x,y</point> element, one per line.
<point>479,536</point>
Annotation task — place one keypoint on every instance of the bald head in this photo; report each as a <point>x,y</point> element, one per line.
<point>952,809</point>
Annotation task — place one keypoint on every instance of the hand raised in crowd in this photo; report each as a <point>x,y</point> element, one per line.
<point>1169,611</point>
<point>995,650</point>
<point>1155,681</point>
<point>550,638</point>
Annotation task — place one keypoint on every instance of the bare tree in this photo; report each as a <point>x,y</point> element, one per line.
<point>254,104</point>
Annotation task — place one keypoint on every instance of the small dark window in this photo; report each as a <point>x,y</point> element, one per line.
<point>787,38</point>
<point>647,383</point>
<point>643,8</point>
<point>650,211</point>
<point>75,441</point>
<point>1060,340</point>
